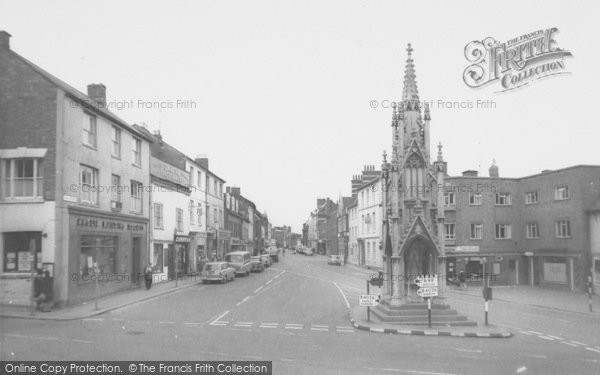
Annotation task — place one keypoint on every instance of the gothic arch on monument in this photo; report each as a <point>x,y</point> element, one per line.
<point>420,258</point>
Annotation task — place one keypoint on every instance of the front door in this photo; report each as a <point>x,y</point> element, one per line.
<point>135,260</point>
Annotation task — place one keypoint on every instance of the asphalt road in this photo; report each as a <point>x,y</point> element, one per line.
<point>295,315</point>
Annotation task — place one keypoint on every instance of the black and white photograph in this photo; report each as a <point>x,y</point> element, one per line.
<point>372,187</point>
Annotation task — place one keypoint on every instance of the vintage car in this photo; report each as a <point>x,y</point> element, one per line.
<point>256,264</point>
<point>266,259</point>
<point>217,271</point>
<point>335,260</point>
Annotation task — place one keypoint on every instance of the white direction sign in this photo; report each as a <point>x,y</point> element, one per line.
<point>428,291</point>
<point>426,281</point>
<point>368,300</point>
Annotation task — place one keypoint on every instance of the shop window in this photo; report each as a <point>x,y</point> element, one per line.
<point>555,270</point>
<point>17,251</point>
<point>512,264</point>
<point>157,257</point>
<point>597,271</point>
<point>98,255</point>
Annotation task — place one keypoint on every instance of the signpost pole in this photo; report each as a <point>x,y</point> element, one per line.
<point>33,272</point>
<point>368,307</point>
<point>429,312</point>
<point>590,292</point>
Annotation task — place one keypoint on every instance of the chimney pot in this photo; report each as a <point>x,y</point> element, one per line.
<point>4,39</point>
<point>97,92</point>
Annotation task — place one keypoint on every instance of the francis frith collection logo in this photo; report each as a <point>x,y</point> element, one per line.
<point>514,63</point>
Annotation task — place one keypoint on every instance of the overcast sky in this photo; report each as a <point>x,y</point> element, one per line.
<point>283,89</point>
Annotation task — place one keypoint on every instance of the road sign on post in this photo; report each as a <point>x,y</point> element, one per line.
<point>428,292</point>
<point>368,300</point>
<point>426,281</point>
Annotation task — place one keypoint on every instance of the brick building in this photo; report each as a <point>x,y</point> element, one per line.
<point>72,189</point>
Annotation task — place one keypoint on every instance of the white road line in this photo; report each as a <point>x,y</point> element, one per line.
<point>592,349</point>
<point>293,327</point>
<point>535,333</point>
<point>568,343</point>
<point>521,369</point>
<point>276,276</point>
<point>555,337</point>
<point>525,333</point>
<point>165,322</point>
<point>295,324</point>
<point>219,323</point>
<point>258,290</point>
<point>220,316</point>
<point>242,325</point>
<point>343,295</point>
<point>242,301</point>
<point>344,331</point>
<point>539,356</point>
<point>263,326</point>
<point>319,326</point>
<point>269,282</point>
<point>269,324</point>
<point>345,327</point>
<point>319,329</point>
<point>545,337</point>
<point>192,323</point>
<point>468,350</point>
<point>378,369</point>
<point>578,343</point>
<point>81,341</point>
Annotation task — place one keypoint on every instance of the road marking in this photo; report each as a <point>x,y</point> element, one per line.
<point>219,317</point>
<point>258,290</point>
<point>468,350</point>
<point>276,276</point>
<point>343,295</point>
<point>219,323</point>
<point>568,343</point>
<point>408,371</point>
<point>32,337</point>
<point>319,329</point>
<point>293,327</point>
<point>539,356</point>
<point>192,323</point>
<point>526,333</point>
<point>535,333</point>
<point>269,282</point>
<point>81,341</point>
<point>592,349</point>
<point>578,343</point>
<point>545,337</point>
<point>165,322</point>
<point>345,327</point>
<point>555,337</point>
<point>93,319</point>
<point>242,301</point>
<point>320,326</point>
<point>344,331</point>
<point>521,369</point>
<point>269,326</point>
<point>243,324</point>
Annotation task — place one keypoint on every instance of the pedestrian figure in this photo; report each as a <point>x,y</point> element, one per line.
<point>148,275</point>
<point>462,280</point>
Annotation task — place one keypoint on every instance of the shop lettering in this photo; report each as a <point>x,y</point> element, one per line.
<point>108,224</point>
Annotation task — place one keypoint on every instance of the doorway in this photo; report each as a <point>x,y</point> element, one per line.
<point>135,259</point>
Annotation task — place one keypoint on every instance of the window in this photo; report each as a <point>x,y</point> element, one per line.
<point>199,213</point>
<point>503,231</point>
<point>157,258</point>
<point>532,230</point>
<point>199,179</point>
<point>98,255</point>
<point>563,229</point>
<point>191,182</point>
<point>136,196</point>
<point>449,231</point>
<point>215,218</point>
<point>215,187</point>
<point>89,185</point>
<point>503,199</point>
<point>449,199</point>
<point>179,219</point>
<point>561,193</point>
<point>115,192</point>
<point>89,130</point>
<point>136,149</point>
<point>222,219</point>
<point>116,142</point>
<point>374,222</point>
<point>531,197</point>
<point>22,178</point>
<point>476,231</point>
<point>158,215</point>
<point>220,190</point>
<point>17,251</point>
<point>475,199</point>
<point>192,213</point>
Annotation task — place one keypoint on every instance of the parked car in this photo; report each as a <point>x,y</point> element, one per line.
<point>240,260</point>
<point>257,264</point>
<point>309,252</point>
<point>335,260</point>
<point>217,271</point>
<point>266,259</point>
<point>273,253</point>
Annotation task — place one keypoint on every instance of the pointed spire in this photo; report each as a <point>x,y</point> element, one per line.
<point>439,156</point>
<point>427,115</point>
<point>410,84</point>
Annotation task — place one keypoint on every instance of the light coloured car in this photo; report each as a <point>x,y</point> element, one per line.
<point>335,260</point>
<point>217,271</point>
<point>240,260</point>
<point>266,259</point>
<point>257,264</point>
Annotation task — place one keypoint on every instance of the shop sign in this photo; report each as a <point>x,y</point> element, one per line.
<point>182,239</point>
<point>168,172</point>
<point>108,224</point>
<point>467,249</point>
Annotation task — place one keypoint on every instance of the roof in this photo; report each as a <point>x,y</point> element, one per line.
<point>529,176</point>
<point>84,100</point>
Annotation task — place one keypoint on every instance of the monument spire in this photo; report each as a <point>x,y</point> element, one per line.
<point>410,91</point>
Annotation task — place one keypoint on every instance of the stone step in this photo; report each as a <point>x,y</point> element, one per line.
<point>449,320</point>
<point>415,306</point>
<point>414,312</point>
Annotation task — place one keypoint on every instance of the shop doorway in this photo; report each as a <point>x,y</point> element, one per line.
<point>136,259</point>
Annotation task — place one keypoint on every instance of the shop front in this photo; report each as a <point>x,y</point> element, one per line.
<point>105,247</point>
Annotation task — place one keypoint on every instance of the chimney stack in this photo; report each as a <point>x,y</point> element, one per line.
<point>471,173</point>
<point>202,161</point>
<point>4,39</point>
<point>97,92</point>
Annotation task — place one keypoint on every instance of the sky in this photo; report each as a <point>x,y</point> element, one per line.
<point>280,95</point>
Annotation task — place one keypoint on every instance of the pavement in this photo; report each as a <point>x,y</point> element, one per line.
<point>105,304</point>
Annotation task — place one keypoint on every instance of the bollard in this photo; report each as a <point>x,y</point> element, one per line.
<point>429,312</point>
